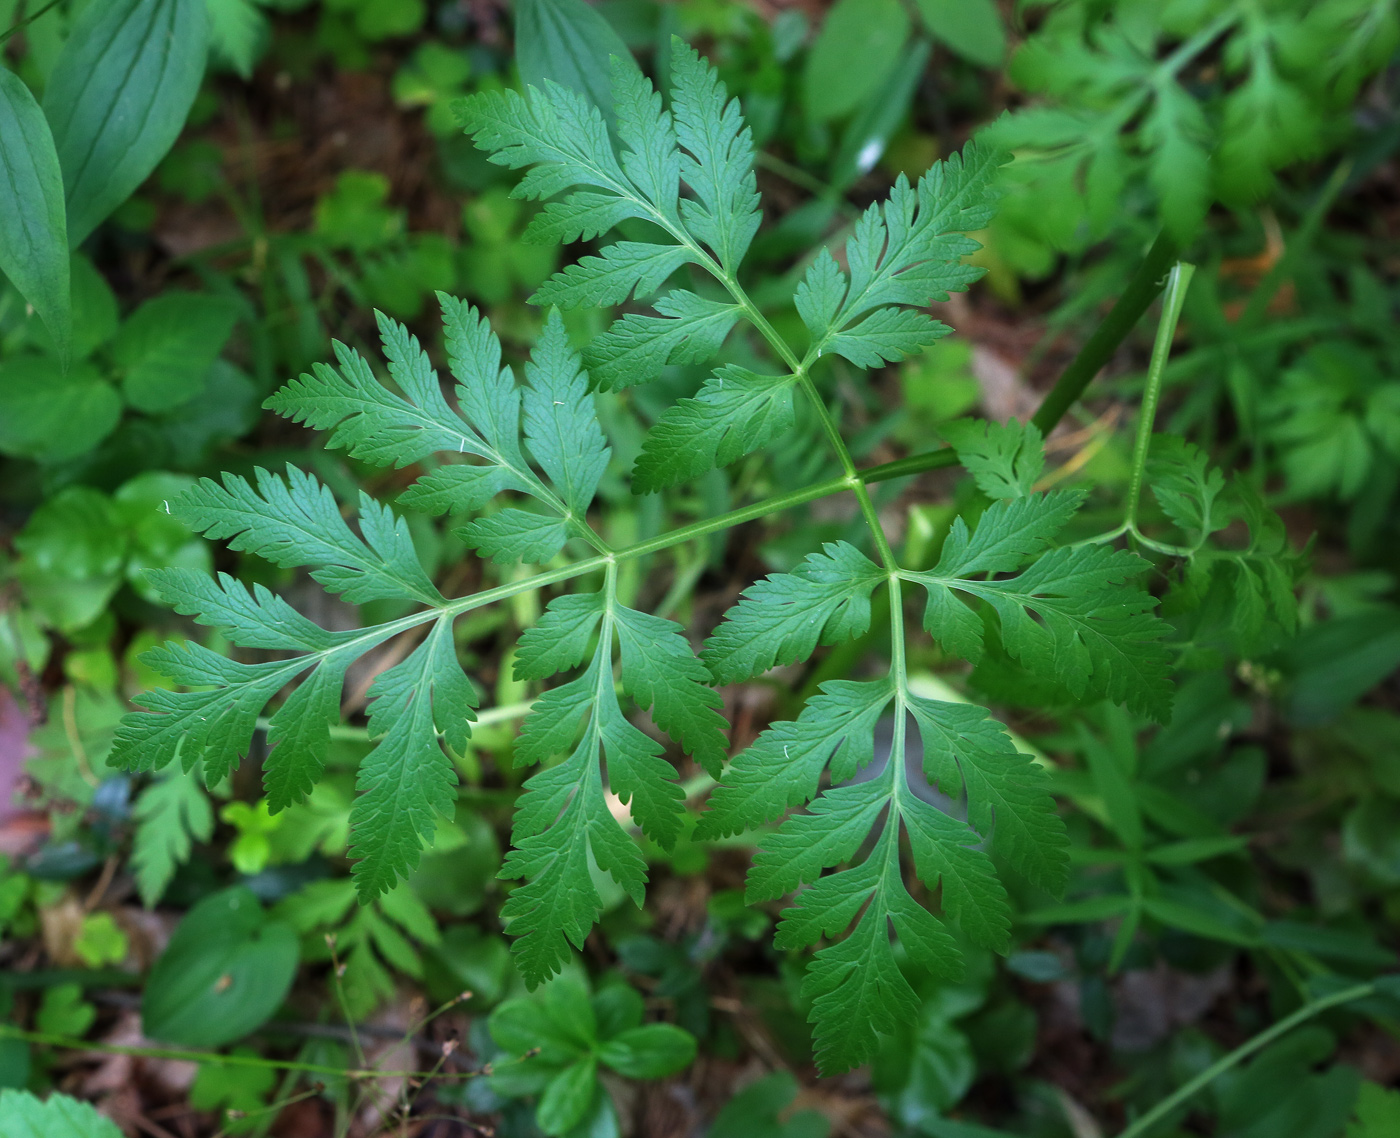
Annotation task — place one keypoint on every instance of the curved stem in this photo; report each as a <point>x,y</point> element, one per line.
<point>49,1039</point>
<point>1177,284</point>
<point>1141,290</point>
<point>1189,1090</point>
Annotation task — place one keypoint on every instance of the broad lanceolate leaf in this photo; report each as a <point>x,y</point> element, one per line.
<point>167,346</point>
<point>689,330</point>
<point>1072,614</point>
<point>908,251</point>
<point>33,226</point>
<point>735,413</point>
<point>117,98</point>
<point>1004,458</point>
<point>569,42</point>
<point>784,617</point>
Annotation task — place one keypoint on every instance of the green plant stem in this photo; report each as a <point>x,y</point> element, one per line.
<point>20,25</point>
<point>1189,1090</point>
<point>487,718</point>
<point>1141,290</point>
<point>1178,282</point>
<point>49,1039</point>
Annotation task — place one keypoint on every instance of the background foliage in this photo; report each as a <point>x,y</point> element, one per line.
<point>204,194</point>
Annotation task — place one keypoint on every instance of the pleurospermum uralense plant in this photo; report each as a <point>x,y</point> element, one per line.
<point>1072,611</point>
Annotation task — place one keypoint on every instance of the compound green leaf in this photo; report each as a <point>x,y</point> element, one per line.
<point>559,640</point>
<point>554,129</point>
<point>22,1115</point>
<point>735,413</point>
<point>783,766</point>
<point>297,522</point>
<point>1186,486</point>
<point>515,535</point>
<point>253,618</point>
<point>212,724</point>
<point>407,781</point>
<point>966,752</point>
<point>660,672</point>
<point>1006,459</point>
<point>581,216</point>
<point>717,158</point>
<point>650,157</point>
<point>689,330</point>
<point>561,425</point>
<point>946,854</point>
<point>887,335</point>
<point>857,989</point>
<point>782,618</point>
<point>171,814</point>
<point>613,275</point>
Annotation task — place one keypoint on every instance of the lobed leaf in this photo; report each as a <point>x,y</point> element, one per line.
<point>735,413</point>
<point>782,618</point>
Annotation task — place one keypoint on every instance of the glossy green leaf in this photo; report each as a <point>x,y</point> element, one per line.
<point>118,96</point>
<point>971,28</point>
<point>857,48</point>
<point>52,414</point>
<point>33,224</point>
<point>569,42</point>
<point>225,972</point>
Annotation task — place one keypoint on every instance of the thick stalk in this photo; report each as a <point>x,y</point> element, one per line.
<point>1142,289</point>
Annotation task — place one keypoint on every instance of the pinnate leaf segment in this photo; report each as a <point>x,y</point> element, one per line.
<point>873,837</point>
